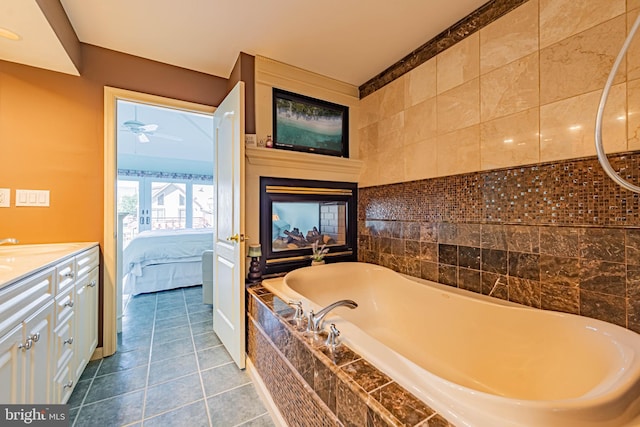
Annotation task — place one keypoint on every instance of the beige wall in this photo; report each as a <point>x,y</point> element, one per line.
<point>522,90</point>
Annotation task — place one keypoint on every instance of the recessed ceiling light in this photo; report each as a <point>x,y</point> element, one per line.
<point>8,34</point>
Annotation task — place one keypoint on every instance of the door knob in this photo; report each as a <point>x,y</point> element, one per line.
<point>237,238</point>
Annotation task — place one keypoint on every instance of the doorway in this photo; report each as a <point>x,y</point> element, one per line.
<point>179,198</point>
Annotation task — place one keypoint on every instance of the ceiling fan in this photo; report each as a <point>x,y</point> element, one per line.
<point>144,131</point>
<point>140,129</point>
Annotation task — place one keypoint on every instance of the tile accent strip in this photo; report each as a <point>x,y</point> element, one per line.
<point>569,192</point>
<point>473,22</point>
<point>560,236</point>
<point>313,386</point>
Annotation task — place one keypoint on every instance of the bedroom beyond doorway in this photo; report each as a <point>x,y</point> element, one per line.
<point>164,197</point>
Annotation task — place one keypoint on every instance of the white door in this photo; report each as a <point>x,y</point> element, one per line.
<point>229,254</point>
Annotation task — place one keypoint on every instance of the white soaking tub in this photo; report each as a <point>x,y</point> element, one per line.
<point>477,360</point>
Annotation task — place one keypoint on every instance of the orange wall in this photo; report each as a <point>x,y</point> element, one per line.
<point>51,137</point>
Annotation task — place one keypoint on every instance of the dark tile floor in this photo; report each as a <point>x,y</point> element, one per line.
<point>170,370</point>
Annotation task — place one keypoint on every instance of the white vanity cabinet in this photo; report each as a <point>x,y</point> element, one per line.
<point>49,328</point>
<point>86,319</point>
<point>26,339</point>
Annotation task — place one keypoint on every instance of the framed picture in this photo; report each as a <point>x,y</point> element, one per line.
<point>302,123</point>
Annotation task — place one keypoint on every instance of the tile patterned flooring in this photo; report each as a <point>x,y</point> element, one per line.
<point>170,370</point>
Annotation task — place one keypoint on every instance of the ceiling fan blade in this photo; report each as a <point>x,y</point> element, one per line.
<point>142,137</point>
<point>149,128</point>
<point>165,136</point>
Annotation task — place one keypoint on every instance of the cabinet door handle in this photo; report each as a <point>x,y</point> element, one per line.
<point>35,337</point>
<point>92,284</point>
<point>69,384</point>
<point>27,345</point>
<point>70,274</point>
<point>69,304</point>
<point>68,341</point>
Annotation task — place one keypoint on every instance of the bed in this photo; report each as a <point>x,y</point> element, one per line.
<point>165,259</point>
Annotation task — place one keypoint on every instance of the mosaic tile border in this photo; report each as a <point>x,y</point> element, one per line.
<point>351,390</point>
<point>473,22</point>
<point>570,192</point>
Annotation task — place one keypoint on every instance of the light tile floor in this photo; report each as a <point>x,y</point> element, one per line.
<point>170,370</point>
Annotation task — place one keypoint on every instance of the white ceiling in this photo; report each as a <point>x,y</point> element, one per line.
<point>351,41</point>
<point>39,46</point>
<point>182,142</point>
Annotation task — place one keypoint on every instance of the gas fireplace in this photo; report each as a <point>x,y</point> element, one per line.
<point>294,214</point>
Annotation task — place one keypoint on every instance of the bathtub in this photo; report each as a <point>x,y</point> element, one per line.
<point>477,360</point>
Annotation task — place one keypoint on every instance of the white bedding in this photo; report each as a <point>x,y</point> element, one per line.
<point>165,259</point>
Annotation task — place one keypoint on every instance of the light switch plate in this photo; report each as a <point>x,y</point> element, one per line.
<point>5,197</point>
<point>38,198</point>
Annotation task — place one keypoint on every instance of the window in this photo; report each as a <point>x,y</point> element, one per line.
<point>128,197</point>
<point>169,204</point>
<point>202,205</point>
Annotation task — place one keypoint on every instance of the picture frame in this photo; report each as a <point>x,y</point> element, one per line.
<point>303,123</point>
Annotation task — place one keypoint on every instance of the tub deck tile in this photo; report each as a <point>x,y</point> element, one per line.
<point>366,375</point>
<point>435,421</point>
<point>341,355</point>
<point>402,404</point>
<point>353,390</point>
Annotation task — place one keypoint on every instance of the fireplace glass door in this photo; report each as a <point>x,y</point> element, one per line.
<point>295,214</point>
<point>298,225</point>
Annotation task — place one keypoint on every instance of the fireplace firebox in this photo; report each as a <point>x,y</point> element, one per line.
<point>295,213</point>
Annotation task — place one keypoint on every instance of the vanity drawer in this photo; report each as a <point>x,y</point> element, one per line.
<point>65,273</point>
<point>64,304</point>
<point>63,384</point>
<point>86,261</point>
<point>24,298</point>
<point>64,342</point>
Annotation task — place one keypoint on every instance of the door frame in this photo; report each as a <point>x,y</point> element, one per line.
<point>109,249</point>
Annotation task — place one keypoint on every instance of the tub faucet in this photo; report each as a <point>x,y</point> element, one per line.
<point>9,240</point>
<point>314,323</point>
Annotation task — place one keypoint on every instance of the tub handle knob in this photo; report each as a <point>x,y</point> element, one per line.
<point>310,316</point>
<point>299,314</point>
<point>332,340</point>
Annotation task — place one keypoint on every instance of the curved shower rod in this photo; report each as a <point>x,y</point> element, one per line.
<point>602,156</point>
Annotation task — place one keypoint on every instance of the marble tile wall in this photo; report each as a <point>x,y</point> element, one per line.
<point>314,386</point>
<point>515,83</point>
<point>517,234</point>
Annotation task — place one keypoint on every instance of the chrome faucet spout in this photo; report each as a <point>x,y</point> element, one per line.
<point>10,240</point>
<point>317,318</point>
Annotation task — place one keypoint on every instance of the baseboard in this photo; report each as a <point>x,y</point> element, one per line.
<point>264,394</point>
<point>97,354</point>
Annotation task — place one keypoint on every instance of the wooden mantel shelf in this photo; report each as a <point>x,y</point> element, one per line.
<point>308,162</point>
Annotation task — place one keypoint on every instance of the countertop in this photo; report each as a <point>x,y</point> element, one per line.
<point>18,261</point>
